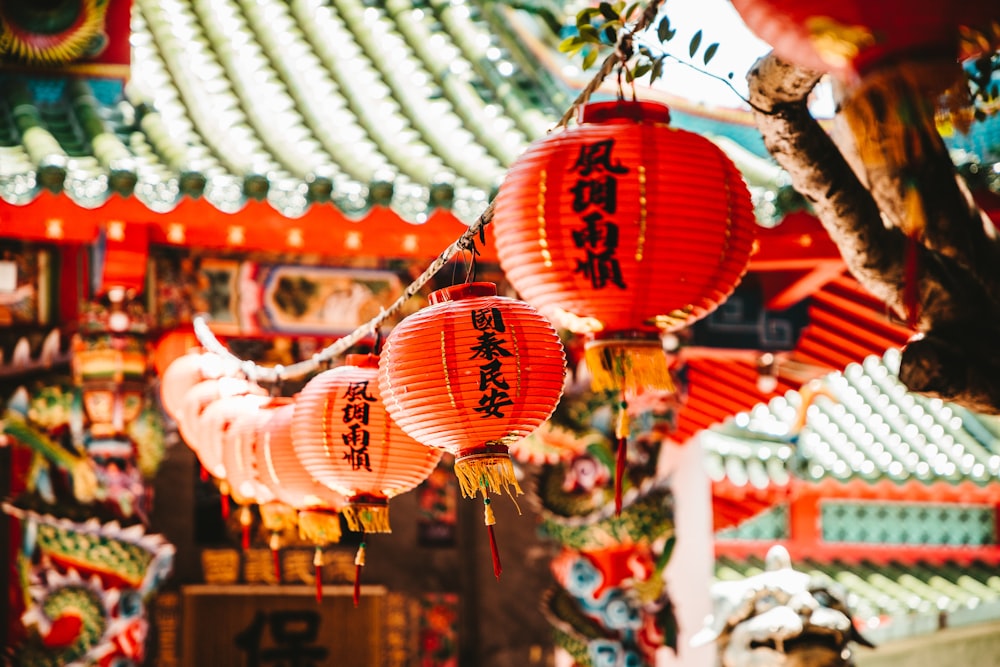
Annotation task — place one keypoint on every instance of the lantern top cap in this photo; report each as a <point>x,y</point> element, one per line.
<point>625,110</point>
<point>361,360</point>
<point>464,291</point>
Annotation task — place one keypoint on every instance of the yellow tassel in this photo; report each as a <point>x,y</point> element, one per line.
<point>246,516</point>
<point>489,518</point>
<point>359,558</point>
<point>492,473</point>
<point>363,518</point>
<point>274,542</point>
<point>318,557</point>
<point>628,365</point>
<point>278,517</point>
<point>319,526</point>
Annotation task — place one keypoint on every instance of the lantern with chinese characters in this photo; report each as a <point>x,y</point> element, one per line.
<point>619,229</point>
<point>281,471</point>
<point>471,374</point>
<point>346,439</point>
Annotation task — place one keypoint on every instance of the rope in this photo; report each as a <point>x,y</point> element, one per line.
<point>275,374</point>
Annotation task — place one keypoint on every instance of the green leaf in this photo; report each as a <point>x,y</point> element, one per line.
<point>571,44</point>
<point>585,16</point>
<point>588,60</point>
<point>657,70</point>
<point>630,10</point>
<point>629,75</point>
<point>618,7</point>
<point>642,68</point>
<point>607,12</point>
<point>695,43</point>
<point>663,31</point>
<point>589,34</point>
<point>610,34</point>
<point>710,51</point>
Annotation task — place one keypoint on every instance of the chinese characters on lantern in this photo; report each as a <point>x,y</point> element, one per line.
<point>356,413</point>
<point>595,201</point>
<point>490,348</point>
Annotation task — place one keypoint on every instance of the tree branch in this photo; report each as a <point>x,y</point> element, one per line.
<point>873,253</point>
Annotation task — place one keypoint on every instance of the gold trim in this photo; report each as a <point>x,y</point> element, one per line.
<point>641,242</point>
<point>543,238</point>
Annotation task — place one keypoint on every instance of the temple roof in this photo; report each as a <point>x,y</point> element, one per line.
<point>412,105</point>
<point>858,433</point>
<point>896,600</point>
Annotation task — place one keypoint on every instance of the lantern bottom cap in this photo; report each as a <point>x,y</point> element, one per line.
<point>367,518</point>
<point>486,472</point>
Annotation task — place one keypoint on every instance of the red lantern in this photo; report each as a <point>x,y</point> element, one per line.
<point>212,425</point>
<point>278,465</point>
<point>849,38</point>
<point>621,228</point>
<point>203,394</point>
<point>471,374</point>
<point>184,373</point>
<point>281,471</point>
<point>346,439</point>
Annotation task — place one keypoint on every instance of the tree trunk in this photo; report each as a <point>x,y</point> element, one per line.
<point>891,199</point>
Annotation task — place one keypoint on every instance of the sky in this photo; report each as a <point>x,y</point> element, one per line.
<point>738,50</point>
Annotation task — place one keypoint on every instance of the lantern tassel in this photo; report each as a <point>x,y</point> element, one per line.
<point>275,544</point>
<point>490,520</point>
<point>487,473</point>
<point>224,499</point>
<point>246,520</point>
<point>621,437</point>
<point>364,517</point>
<point>628,365</point>
<point>318,565</point>
<point>359,562</point>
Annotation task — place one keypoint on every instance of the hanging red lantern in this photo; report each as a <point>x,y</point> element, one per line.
<point>184,373</point>
<point>471,374</point>
<point>281,471</point>
<point>850,38</point>
<point>621,228</point>
<point>199,397</point>
<point>346,439</point>
<point>209,431</point>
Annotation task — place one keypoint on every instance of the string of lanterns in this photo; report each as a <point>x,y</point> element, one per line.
<point>619,229</point>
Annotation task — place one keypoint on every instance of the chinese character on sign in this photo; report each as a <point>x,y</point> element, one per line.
<point>292,632</point>
<point>490,348</point>
<point>595,198</point>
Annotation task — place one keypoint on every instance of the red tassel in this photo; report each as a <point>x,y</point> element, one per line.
<point>202,473</point>
<point>276,557</point>
<point>620,472</point>
<point>359,562</point>
<point>246,537</point>
<point>224,506</point>
<point>495,553</point>
<point>318,564</point>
